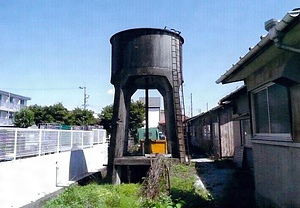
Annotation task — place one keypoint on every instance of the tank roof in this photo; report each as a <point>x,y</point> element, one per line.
<point>145,31</point>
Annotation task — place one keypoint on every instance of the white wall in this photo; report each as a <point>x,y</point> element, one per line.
<point>154,116</point>
<point>26,180</point>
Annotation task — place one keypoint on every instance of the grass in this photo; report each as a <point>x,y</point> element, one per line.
<point>183,194</point>
<point>97,196</point>
<point>183,178</point>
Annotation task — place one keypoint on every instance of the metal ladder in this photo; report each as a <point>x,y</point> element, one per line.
<point>179,102</point>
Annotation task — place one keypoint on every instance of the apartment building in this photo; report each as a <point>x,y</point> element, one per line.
<point>9,104</point>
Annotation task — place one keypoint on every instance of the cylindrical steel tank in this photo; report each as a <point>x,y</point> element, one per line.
<point>145,51</point>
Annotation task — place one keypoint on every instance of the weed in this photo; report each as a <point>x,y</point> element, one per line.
<point>93,195</point>
<point>156,182</point>
<point>183,193</point>
<point>164,201</point>
<point>183,179</point>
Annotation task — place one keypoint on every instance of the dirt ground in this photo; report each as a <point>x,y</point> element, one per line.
<point>229,186</point>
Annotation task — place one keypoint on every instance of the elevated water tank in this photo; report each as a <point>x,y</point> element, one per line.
<point>145,51</point>
<point>145,58</point>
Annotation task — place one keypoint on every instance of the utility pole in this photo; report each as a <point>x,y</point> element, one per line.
<point>191,104</point>
<point>85,97</point>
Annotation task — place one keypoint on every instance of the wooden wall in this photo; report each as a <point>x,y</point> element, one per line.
<point>295,100</point>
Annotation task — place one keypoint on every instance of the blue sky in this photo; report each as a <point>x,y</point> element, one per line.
<point>50,48</point>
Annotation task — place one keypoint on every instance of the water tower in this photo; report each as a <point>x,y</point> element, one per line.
<point>146,58</point>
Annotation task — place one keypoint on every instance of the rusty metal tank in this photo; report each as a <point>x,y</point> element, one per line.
<point>145,51</point>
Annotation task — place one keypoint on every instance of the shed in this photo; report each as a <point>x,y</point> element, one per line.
<point>217,132</point>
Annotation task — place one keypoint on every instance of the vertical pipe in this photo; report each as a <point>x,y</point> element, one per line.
<point>56,175</point>
<point>147,108</point>
<point>147,141</point>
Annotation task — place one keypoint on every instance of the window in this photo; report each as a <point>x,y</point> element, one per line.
<point>215,130</point>
<point>22,102</point>
<point>10,115</point>
<point>206,132</point>
<point>271,110</point>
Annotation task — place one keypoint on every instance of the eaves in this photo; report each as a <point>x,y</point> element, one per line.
<point>261,53</point>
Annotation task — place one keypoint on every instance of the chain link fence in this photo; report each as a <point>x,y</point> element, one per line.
<point>18,143</point>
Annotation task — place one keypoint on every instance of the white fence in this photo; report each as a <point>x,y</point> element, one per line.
<point>19,143</point>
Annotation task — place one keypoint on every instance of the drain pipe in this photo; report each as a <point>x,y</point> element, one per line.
<point>280,45</point>
<point>275,34</point>
<point>275,28</point>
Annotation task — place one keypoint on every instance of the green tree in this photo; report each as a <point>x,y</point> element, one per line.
<point>136,117</point>
<point>24,118</point>
<point>56,113</point>
<point>81,117</point>
<point>105,118</point>
<point>38,113</point>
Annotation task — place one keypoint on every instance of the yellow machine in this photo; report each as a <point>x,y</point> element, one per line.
<point>157,140</point>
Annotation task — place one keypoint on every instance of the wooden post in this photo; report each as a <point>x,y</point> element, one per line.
<point>116,145</point>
